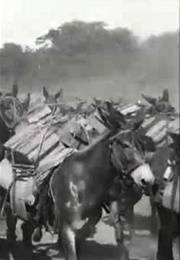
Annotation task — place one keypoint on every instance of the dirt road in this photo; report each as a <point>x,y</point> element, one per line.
<point>102,246</point>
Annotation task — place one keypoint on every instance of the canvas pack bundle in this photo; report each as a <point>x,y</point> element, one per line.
<point>6,174</point>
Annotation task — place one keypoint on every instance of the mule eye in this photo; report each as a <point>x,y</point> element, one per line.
<point>124,144</point>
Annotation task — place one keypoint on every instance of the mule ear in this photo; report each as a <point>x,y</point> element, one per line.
<point>58,94</point>
<point>165,96</point>
<point>26,102</point>
<point>150,100</point>
<point>103,117</point>
<point>15,89</point>
<point>45,92</point>
<point>115,117</point>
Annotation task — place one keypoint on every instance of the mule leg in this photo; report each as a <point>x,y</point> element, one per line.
<point>2,198</point>
<point>153,218</point>
<point>68,240</point>
<point>130,223</point>
<point>89,228</point>
<point>166,234</point>
<point>165,245</point>
<point>123,253</point>
<point>11,222</point>
<point>27,230</point>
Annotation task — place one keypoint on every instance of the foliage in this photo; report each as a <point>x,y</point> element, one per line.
<point>78,50</point>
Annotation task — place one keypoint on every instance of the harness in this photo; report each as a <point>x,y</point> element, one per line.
<point>121,166</point>
<point>124,181</point>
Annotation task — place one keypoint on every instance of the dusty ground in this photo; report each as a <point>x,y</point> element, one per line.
<point>102,246</point>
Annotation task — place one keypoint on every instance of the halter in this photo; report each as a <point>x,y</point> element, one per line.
<point>127,186</point>
<point>124,176</point>
<point>119,164</point>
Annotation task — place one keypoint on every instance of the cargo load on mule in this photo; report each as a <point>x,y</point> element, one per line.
<point>42,141</point>
<point>156,123</point>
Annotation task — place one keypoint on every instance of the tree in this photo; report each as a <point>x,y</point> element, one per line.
<point>14,61</point>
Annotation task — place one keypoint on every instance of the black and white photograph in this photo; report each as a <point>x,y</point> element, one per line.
<point>89,130</point>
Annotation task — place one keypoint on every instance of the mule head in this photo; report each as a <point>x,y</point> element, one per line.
<point>175,145</point>
<point>165,96</point>
<point>129,156</point>
<point>173,161</point>
<point>111,117</point>
<point>89,129</point>
<point>170,170</point>
<point>52,99</point>
<point>79,135</point>
<point>11,109</point>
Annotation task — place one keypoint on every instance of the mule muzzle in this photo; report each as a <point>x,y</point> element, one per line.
<point>143,177</point>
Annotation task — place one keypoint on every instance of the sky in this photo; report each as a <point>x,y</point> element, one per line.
<point>22,21</point>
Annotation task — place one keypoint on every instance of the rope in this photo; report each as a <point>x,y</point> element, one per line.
<point>13,185</point>
<point>43,137</point>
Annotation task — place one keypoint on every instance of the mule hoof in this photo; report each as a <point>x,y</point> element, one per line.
<point>37,235</point>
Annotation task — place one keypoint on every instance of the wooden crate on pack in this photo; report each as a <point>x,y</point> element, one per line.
<point>158,127</point>
<point>28,142</point>
<point>126,107</point>
<point>43,140</point>
<point>55,158</point>
<point>129,109</point>
<point>39,136</point>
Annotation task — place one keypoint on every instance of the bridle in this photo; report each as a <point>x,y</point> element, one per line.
<point>121,164</point>
<point>124,185</point>
<point>123,172</point>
